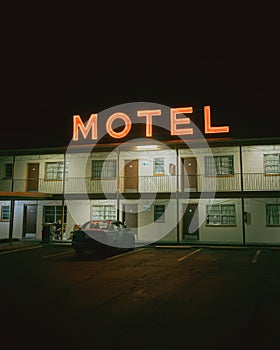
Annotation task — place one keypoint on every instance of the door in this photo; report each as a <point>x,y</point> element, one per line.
<point>32,177</point>
<point>190,222</point>
<point>130,216</point>
<point>189,174</point>
<point>29,220</point>
<point>131,176</point>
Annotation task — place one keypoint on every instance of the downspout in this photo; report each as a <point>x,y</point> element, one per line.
<point>177,194</point>
<point>12,208</point>
<point>118,185</point>
<point>242,196</point>
<point>63,193</point>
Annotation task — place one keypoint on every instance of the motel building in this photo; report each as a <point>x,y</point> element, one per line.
<point>171,190</point>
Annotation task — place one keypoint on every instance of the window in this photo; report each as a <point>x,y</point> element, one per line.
<point>271,163</point>
<point>5,212</point>
<point>219,165</point>
<point>159,166</point>
<point>54,170</point>
<point>54,212</point>
<point>104,169</point>
<point>103,212</point>
<point>8,171</point>
<point>222,215</point>
<point>273,214</point>
<point>159,213</point>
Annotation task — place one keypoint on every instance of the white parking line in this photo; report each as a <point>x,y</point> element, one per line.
<point>20,249</point>
<point>122,254</point>
<point>256,256</point>
<point>56,254</point>
<point>186,256</point>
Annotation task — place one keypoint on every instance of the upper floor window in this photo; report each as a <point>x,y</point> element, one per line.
<point>221,214</point>
<point>159,166</point>
<point>52,213</point>
<point>104,169</point>
<point>5,212</point>
<point>273,214</point>
<point>219,165</point>
<point>8,170</point>
<point>159,210</point>
<point>54,170</point>
<point>271,163</point>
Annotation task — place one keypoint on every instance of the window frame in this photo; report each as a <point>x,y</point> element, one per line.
<point>266,173</point>
<point>110,215</point>
<point>5,176</point>
<point>161,218</point>
<point>56,215</point>
<point>220,213</point>
<point>266,215</point>
<point>208,171</point>
<point>161,171</point>
<point>57,170</point>
<point>2,209</point>
<point>100,168</point>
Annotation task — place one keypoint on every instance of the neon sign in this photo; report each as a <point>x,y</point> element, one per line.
<point>178,126</point>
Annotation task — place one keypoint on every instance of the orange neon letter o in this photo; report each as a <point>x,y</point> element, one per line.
<point>125,131</point>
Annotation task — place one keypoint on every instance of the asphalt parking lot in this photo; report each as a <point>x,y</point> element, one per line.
<point>158,296</point>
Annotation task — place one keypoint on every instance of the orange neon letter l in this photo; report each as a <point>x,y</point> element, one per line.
<point>207,124</point>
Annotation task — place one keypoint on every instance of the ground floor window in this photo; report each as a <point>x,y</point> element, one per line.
<point>159,213</point>
<point>5,213</point>
<point>103,212</point>
<point>221,214</point>
<point>272,214</point>
<point>54,212</point>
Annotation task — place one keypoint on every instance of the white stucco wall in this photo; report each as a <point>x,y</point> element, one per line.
<point>253,168</point>
<point>210,183</point>
<point>212,234</point>
<point>150,231</point>
<point>4,225</point>
<point>256,230</point>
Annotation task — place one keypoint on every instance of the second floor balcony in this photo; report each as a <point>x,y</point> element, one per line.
<point>145,184</point>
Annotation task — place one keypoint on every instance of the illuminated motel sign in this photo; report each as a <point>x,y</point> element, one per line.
<point>178,126</point>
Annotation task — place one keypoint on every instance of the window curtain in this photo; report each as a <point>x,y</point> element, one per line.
<point>273,214</point>
<point>219,165</point>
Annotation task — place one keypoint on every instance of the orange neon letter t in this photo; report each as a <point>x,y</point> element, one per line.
<point>149,114</point>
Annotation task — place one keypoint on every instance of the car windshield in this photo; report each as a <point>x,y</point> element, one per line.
<point>96,225</point>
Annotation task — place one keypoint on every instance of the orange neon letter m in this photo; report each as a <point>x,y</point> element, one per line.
<point>91,124</point>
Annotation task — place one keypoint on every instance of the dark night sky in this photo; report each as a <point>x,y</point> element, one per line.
<point>42,92</point>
